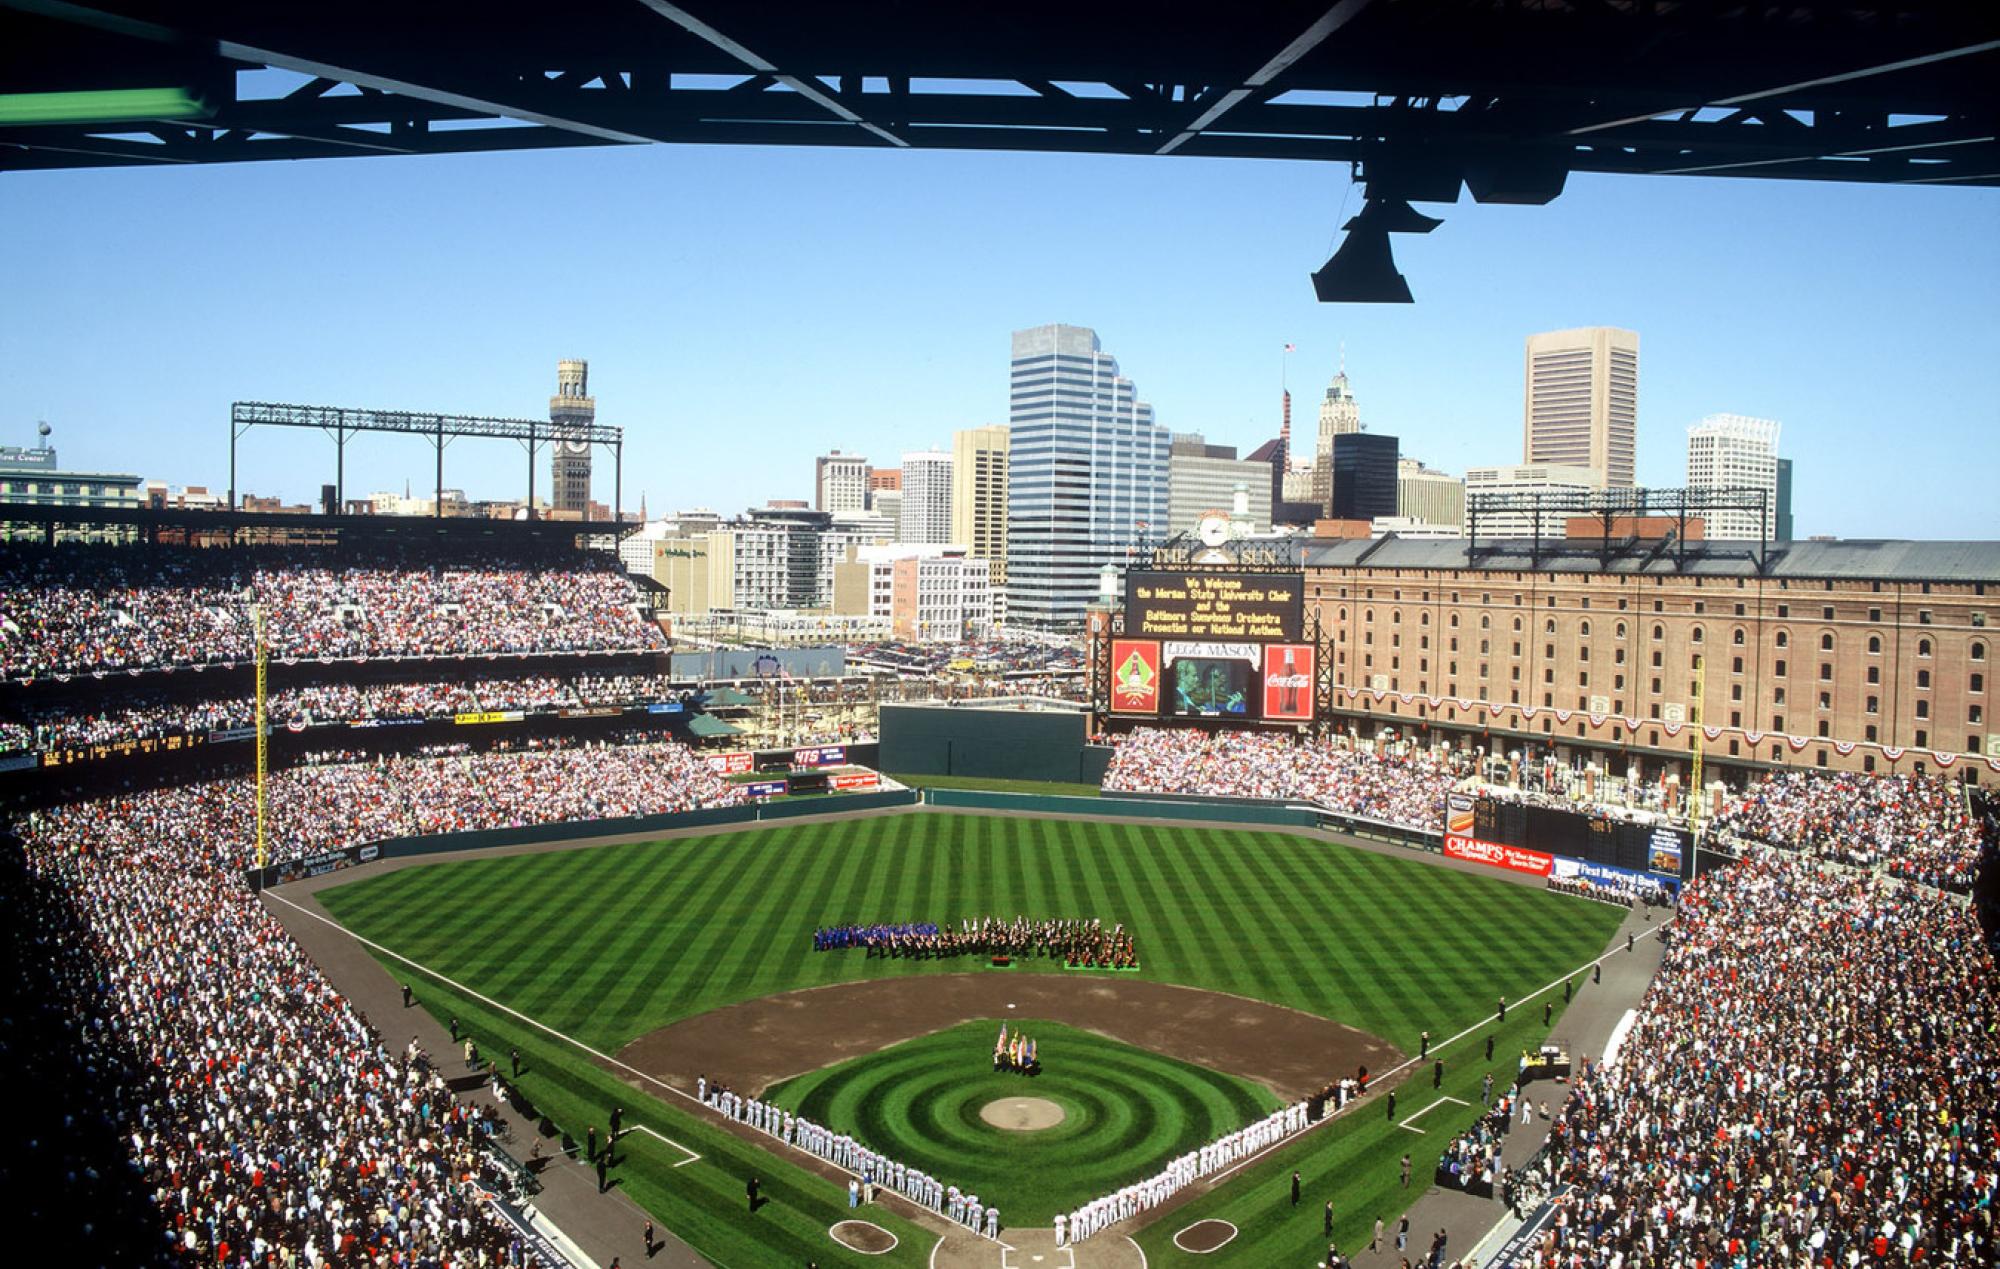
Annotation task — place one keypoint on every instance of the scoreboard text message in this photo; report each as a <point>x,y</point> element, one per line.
<point>1198,605</point>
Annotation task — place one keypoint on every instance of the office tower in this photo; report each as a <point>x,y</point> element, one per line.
<point>571,409</point>
<point>1729,451</point>
<point>1427,496</point>
<point>1582,401</point>
<point>926,511</point>
<point>979,496</point>
<point>1339,415</point>
<point>1362,467</point>
<point>1784,533</point>
<point>840,483</point>
<point>1203,478</point>
<point>1087,474</point>
<point>1528,478</point>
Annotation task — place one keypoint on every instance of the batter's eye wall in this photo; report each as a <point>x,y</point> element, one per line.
<point>1002,744</point>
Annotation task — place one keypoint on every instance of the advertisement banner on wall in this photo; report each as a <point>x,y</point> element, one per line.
<point>855,780</point>
<point>767,788</point>
<point>1288,682</point>
<point>735,762</point>
<point>822,756</point>
<point>1664,850</point>
<point>1567,869</point>
<point>1135,676</point>
<point>1494,855</point>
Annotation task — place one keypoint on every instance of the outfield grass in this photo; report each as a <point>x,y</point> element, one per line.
<point>609,943</point>
<point>1125,1111</point>
<point>981,784</point>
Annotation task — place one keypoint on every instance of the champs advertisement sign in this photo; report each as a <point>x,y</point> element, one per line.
<point>1494,855</point>
<point>1135,676</point>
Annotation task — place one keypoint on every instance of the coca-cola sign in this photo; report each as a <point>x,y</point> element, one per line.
<point>1288,682</point>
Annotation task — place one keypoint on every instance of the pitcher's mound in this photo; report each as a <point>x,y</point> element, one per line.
<point>1022,1114</point>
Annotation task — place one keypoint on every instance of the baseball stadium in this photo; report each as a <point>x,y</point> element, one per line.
<point>1593,876</point>
<point>389,898</point>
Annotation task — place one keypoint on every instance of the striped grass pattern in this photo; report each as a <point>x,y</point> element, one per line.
<point>608,943</point>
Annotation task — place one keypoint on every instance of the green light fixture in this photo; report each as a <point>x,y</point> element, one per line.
<point>108,105</point>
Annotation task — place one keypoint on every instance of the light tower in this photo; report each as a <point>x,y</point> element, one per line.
<point>571,410</point>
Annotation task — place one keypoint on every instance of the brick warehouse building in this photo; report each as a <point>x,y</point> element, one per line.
<point>1860,655</point>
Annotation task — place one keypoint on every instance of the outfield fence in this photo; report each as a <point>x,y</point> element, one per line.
<point>1112,804</point>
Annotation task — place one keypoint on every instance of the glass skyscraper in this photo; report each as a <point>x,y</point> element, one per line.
<point>1087,474</point>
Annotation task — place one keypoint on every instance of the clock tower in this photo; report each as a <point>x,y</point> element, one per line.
<point>571,410</point>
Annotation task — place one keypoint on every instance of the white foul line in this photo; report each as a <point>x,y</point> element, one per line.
<point>600,1056</point>
<point>1441,1045</point>
<point>692,1157</point>
<point>1409,1122</point>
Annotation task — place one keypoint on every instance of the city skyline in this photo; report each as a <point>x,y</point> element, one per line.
<point>727,388</point>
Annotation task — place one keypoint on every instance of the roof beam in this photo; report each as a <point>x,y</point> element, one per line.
<point>256,51</point>
<point>1332,20</point>
<point>811,89</point>
<point>1844,77</point>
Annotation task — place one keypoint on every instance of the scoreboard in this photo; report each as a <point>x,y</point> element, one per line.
<point>1203,644</point>
<point>1199,605</point>
<point>1521,831</point>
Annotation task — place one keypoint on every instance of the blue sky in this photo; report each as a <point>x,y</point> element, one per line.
<point>746,309</point>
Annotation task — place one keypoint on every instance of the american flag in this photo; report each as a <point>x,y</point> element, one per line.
<point>1291,347</point>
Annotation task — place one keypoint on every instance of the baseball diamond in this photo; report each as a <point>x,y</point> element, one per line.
<point>545,952</point>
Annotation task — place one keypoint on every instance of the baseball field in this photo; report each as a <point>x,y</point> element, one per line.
<point>1270,963</point>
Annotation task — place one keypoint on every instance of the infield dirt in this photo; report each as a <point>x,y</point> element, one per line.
<point>759,1043</point>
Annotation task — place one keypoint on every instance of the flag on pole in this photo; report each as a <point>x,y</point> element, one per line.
<point>1291,347</point>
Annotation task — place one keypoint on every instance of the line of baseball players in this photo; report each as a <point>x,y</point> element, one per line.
<point>844,1151</point>
<point>1150,1193</point>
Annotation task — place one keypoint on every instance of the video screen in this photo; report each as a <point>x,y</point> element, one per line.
<point>1209,687</point>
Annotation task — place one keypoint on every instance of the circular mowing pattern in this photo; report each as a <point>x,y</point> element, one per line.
<point>1023,1114</point>
<point>1124,1113</point>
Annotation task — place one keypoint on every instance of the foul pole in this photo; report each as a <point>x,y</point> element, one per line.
<point>257,628</point>
<point>1694,775</point>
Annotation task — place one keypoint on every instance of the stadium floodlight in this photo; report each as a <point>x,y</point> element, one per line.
<point>107,105</point>
<point>1363,270</point>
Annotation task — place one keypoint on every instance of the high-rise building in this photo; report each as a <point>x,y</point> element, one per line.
<point>926,512</point>
<point>1528,478</point>
<point>1729,451</point>
<point>1363,470</point>
<point>1784,533</point>
<point>840,483</point>
<point>571,409</point>
<point>1087,474</point>
<point>1203,478</point>
<point>1426,496</point>
<point>888,504</point>
<point>1582,402</point>
<point>889,479</point>
<point>1339,415</point>
<point>979,496</point>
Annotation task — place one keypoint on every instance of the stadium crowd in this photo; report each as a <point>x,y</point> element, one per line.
<point>315,809</point>
<point>1403,788</point>
<point>1917,827</point>
<point>261,1114</point>
<point>81,610</point>
<point>1814,1078</point>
